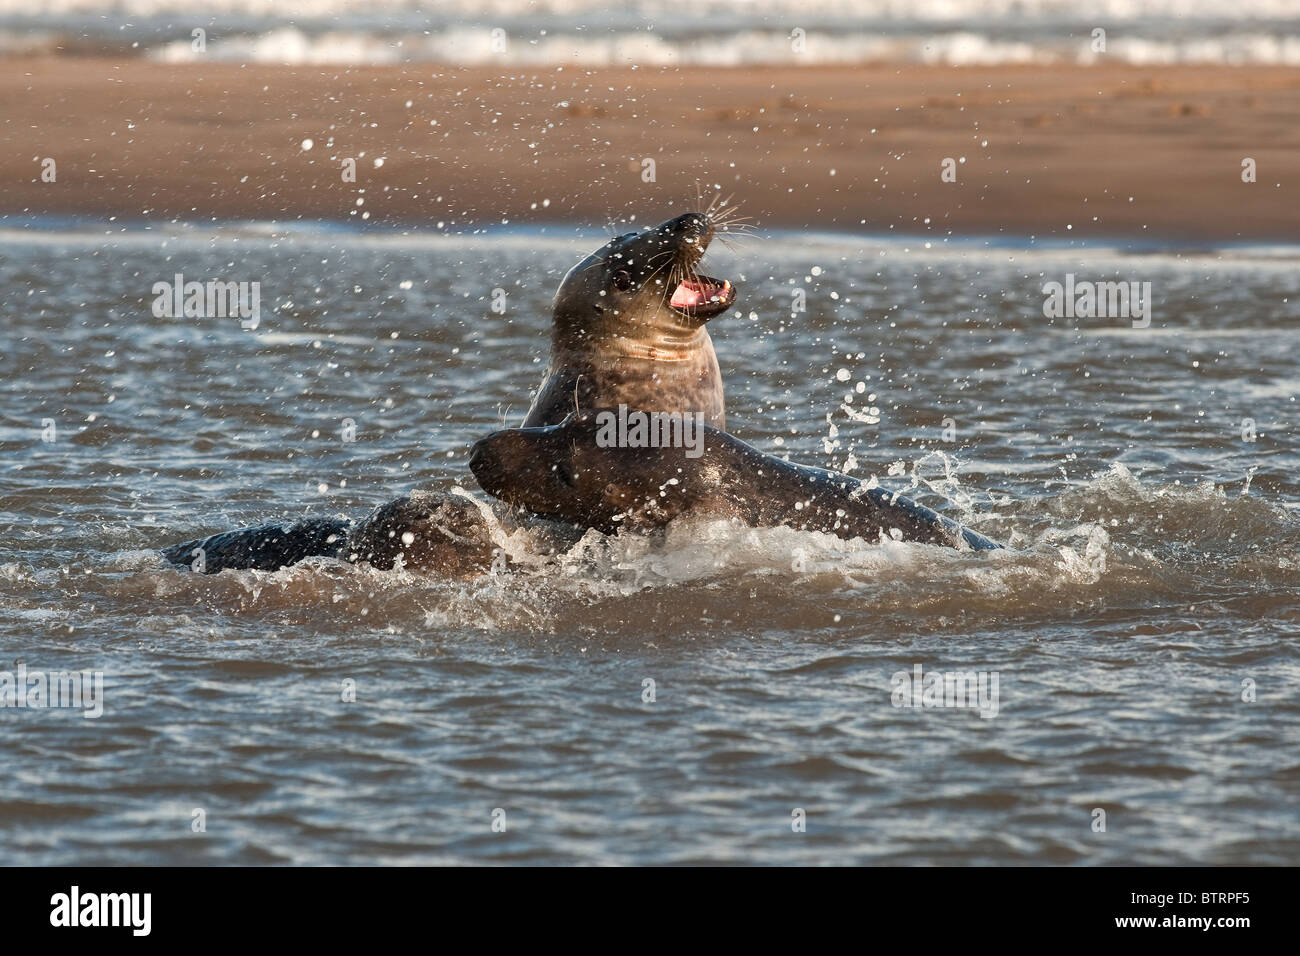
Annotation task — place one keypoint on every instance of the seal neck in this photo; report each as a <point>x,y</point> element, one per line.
<point>635,342</point>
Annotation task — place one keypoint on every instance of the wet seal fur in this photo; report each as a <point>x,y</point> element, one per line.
<point>627,328</point>
<point>560,472</point>
<point>430,532</point>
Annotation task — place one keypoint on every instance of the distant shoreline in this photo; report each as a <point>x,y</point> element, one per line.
<point>830,149</point>
<point>562,231</point>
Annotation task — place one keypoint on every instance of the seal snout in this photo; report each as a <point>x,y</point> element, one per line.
<point>512,463</point>
<point>693,228</point>
<point>485,463</point>
<point>691,294</point>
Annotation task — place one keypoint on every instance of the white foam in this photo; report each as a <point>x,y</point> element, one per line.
<point>669,11</point>
<point>473,47</point>
<point>665,32</point>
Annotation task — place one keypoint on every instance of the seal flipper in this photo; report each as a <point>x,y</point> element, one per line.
<point>833,501</point>
<point>921,513</point>
<point>267,547</point>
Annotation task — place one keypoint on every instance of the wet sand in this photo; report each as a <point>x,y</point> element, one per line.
<point>1046,151</point>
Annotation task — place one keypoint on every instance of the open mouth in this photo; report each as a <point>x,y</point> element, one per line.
<point>703,297</point>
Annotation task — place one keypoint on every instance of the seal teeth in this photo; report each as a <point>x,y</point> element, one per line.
<point>700,291</point>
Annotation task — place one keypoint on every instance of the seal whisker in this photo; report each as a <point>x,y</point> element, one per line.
<point>724,209</point>
<point>726,218</point>
<point>659,269</point>
<point>597,260</point>
<point>669,253</point>
<point>671,258</point>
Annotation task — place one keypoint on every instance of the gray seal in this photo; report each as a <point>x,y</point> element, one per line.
<point>429,532</point>
<point>628,328</point>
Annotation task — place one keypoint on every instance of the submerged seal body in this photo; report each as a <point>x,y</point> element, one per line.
<point>562,472</point>
<point>267,547</point>
<point>628,328</point>
<point>424,531</point>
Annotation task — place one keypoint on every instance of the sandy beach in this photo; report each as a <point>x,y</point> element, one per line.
<point>1059,151</point>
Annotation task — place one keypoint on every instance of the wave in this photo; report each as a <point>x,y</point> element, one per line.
<point>475,47</point>
<point>794,10</point>
<point>660,33</point>
<point>468,47</point>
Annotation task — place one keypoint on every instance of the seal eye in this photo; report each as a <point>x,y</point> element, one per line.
<point>622,280</point>
<point>564,472</point>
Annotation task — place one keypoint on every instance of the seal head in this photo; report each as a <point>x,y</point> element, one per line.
<point>429,532</point>
<point>628,328</point>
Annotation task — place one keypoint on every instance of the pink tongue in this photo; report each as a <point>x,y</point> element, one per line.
<point>689,294</point>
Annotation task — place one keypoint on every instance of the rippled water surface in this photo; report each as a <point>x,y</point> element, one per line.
<point>1152,581</point>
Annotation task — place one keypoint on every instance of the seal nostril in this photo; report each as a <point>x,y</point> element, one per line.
<point>480,462</point>
<point>692,224</point>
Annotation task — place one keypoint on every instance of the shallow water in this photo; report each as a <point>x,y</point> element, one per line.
<point>1155,566</point>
